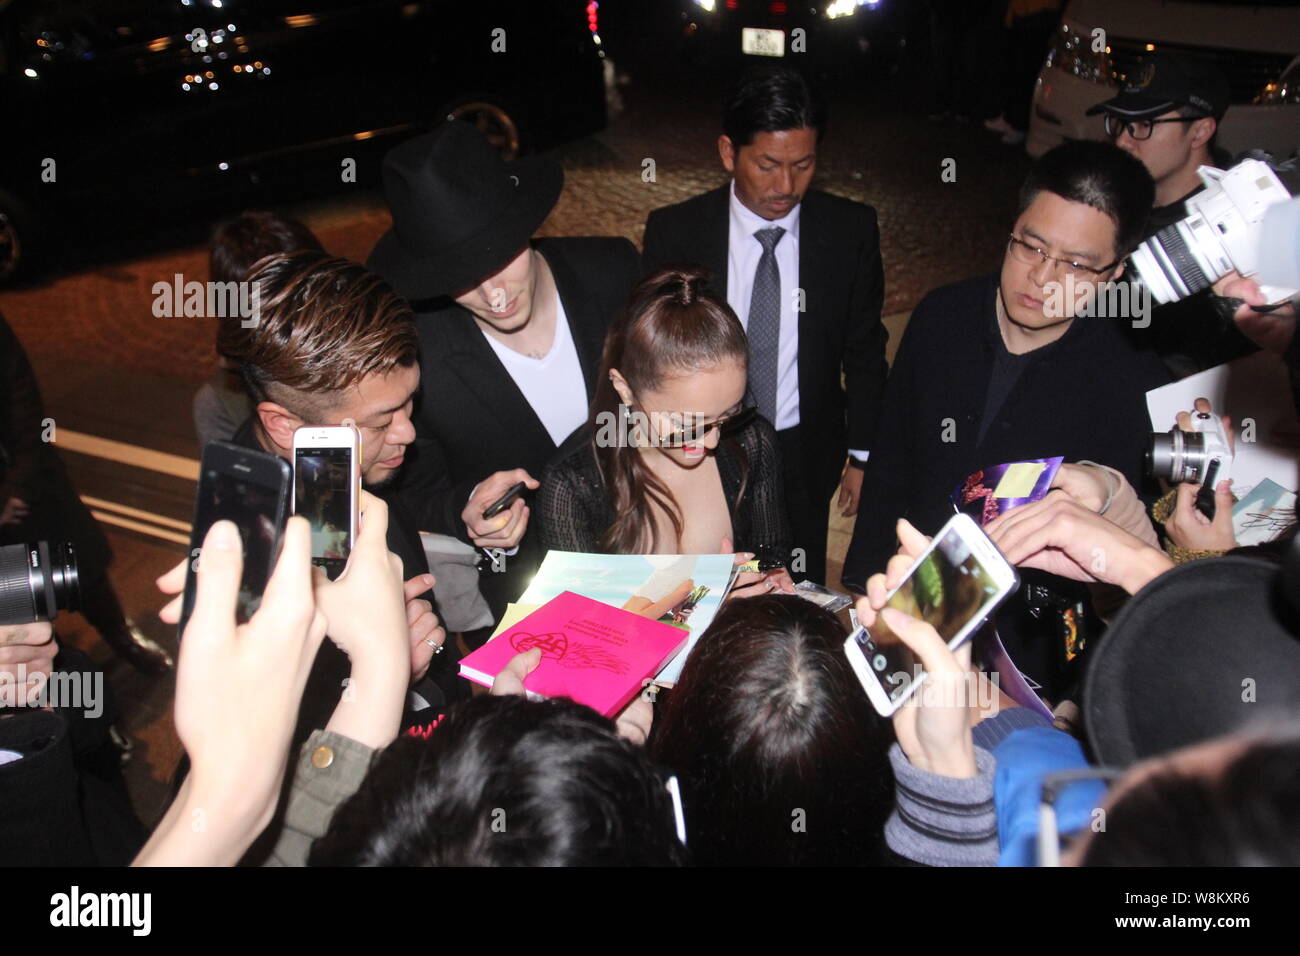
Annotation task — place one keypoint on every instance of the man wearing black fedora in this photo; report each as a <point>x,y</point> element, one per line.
<point>511,330</point>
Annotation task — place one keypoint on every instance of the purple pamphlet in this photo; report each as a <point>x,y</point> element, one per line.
<point>1010,681</point>
<point>991,491</point>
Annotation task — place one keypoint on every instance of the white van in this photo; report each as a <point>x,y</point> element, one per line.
<point>1099,42</point>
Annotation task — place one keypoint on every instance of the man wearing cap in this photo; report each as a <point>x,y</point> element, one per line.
<point>1167,116</point>
<point>511,331</point>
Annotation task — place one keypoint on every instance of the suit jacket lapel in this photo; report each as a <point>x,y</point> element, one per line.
<point>716,231</point>
<point>586,325</point>
<point>816,257</point>
<point>473,361</point>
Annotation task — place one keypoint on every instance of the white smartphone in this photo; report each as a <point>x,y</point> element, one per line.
<point>327,491</point>
<point>954,585</point>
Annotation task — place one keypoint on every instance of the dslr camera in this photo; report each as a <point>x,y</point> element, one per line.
<point>1223,231</point>
<point>37,581</point>
<point>1201,456</point>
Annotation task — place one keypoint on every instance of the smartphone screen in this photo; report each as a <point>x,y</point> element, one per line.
<point>949,589</point>
<point>322,495</point>
<point>254,508</point>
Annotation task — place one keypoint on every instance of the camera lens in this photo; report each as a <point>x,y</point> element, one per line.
<point>1176,456</point>
<point>1171,264</point>
<point>37,581</point>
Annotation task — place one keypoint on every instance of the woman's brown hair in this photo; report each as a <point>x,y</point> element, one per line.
<point>670,327</point>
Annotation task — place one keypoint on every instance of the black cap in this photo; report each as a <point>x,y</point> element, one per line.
<point>1163,81</point>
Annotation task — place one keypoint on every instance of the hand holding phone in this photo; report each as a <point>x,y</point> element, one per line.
<point>952,583</point>
<point>251,489</point>
<point>506,528</point>
<point>934,727</point>
<point>505,501</point>
<point>238,690</point>
<point>326,491</point>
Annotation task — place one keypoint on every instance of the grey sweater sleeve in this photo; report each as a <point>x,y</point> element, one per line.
<point>329,770</point>
<point>943,821</point>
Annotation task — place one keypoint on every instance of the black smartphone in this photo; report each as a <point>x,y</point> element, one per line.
<point>504,502</point>
<point>251,489</point>
<point>768,558</point>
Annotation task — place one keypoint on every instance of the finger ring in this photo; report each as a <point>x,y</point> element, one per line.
<point>437,648</point>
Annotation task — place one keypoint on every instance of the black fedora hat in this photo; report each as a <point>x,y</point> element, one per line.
<point>1207,648</point>
<point>460,211</point>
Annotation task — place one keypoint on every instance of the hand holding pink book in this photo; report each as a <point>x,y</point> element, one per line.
<point>593,653</point>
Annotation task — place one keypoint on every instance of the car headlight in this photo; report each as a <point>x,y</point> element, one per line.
<point>1073,50</point>
<point>845,8</point>
<point>1282,91</point>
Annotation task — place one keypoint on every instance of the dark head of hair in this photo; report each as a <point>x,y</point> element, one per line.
<point>771,99</point>
<point>238,243</point>
<point>322,325</point>
<point>780,756</point>
<point>507,781</point>
<point>1246,813</point>
<point>1100,175</point>
<point>670,327</point>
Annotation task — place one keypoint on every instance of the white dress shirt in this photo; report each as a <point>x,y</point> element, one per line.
<point>743,253</point>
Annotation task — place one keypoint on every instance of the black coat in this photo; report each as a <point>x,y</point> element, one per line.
<point>1083,397</point>
<point>32,471</point>
<point>840,329</point>
<point>471,419</point>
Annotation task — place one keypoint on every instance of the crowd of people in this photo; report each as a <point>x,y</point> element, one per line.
<point>739,364</point>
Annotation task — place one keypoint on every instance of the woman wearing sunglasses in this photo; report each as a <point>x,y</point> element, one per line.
<point>673,459</point>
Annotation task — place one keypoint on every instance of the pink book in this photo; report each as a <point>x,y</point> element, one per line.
<point>593,653</point>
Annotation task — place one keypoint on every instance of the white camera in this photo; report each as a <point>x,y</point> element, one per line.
<point>1221,232</point>
<point>1178,456</point>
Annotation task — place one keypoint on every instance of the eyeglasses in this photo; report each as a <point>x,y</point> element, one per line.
<point>1139,129</point>
<point>726,425</point>
<point>1032,255</point>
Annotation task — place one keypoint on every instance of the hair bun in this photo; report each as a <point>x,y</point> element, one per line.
<point>686,284</point>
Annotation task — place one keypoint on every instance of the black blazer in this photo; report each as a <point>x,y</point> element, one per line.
<point>1083,397</point>
<point>840,329</point>
<point>471,419</point>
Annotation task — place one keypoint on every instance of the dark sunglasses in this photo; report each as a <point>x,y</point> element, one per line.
<point>726,425</point>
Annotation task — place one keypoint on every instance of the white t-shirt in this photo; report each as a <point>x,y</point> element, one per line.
<point>554,384</point>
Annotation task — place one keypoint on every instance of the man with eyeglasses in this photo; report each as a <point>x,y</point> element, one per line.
<point>999,369</point>
<point>1168,116</point>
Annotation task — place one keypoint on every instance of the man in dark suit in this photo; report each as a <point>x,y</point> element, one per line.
<point>511,332</point>
<point>801,268</point>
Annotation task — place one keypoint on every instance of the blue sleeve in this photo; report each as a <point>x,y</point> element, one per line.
<point>1023,759</point>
